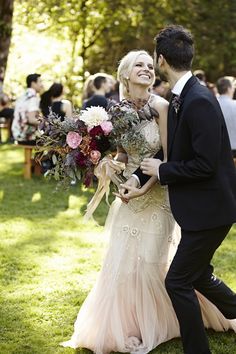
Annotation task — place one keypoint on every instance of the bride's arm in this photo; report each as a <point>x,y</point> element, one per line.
<point>161,106</point>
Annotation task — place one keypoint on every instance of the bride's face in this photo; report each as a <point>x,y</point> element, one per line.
<point>142,72</point>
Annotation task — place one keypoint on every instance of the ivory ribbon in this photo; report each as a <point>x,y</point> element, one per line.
<point>106,171</point>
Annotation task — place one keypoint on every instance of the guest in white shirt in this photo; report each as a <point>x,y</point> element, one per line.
<point>226,88</point>
<point>25,122</point>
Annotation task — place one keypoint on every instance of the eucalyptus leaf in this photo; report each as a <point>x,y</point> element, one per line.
<point>54,159</point>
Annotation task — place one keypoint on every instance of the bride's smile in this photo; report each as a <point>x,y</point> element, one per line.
<point>143,71</point>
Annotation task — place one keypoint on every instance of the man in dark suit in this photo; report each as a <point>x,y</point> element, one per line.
<point>201,179</point>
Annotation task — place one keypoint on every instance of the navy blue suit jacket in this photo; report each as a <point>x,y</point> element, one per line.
<point>199,172</point>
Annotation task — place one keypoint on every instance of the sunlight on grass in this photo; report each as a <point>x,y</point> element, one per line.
<point>50,260</point>
<point>36,197</point>
<point>1,195</point>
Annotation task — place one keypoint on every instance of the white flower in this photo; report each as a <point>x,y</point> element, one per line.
<point>94,116</point>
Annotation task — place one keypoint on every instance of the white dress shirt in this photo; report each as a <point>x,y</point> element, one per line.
<point>178,88</point>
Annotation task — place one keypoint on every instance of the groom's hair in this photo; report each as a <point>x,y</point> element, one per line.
<point>175,43</point>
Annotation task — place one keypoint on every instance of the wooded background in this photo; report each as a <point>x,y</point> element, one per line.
<point>92,36</point>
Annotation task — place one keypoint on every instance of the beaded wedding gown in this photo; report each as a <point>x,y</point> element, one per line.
<point>128,309</point>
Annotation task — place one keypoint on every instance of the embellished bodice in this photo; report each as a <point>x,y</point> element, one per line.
<point>149,145</point>
<point>148,142</point>
<point>137,132</point>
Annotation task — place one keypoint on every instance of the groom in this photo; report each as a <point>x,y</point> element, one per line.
<point>201,178</point>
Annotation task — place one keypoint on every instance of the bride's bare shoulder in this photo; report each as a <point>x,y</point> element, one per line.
<point>160,104</point>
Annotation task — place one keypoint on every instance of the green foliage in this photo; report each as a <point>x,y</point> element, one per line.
<point>99,33</point>
<point>6,11</point>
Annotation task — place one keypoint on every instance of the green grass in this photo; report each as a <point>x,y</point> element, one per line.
<point>50,259</point>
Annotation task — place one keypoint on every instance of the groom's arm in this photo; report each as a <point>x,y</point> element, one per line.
<point>205,130</point>
<point>141,177</point>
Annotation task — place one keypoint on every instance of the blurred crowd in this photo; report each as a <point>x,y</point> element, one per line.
<point>99,89</point>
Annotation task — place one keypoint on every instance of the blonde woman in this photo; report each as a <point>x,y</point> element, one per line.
<point>128,309</point>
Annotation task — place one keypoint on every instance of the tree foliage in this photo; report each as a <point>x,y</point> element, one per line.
<point>6,11</point>
<point>102,31</point>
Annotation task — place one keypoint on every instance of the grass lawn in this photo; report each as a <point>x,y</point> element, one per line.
<point>50,259</point>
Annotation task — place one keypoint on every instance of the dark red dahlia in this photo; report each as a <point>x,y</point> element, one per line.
<point>93,145</point>
<point>96,131</point>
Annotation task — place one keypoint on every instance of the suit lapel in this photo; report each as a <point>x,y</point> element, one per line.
<point>172,125</point>
<point>173,117</point>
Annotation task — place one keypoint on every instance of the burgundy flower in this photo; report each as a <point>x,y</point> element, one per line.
<point>93,145</point>
<point>103,144</point>
<point>96,131</point>
<point>81,160</point>
<point>88,178</point>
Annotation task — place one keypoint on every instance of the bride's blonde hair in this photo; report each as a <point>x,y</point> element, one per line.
<point>124,69</point>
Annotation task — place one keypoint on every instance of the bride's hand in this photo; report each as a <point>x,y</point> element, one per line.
<point>131,182</point>
<point>133,192</point>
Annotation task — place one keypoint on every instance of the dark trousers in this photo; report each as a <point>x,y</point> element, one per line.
<point>191,270</point>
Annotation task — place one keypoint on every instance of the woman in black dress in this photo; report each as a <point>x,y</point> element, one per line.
<point>53,100</point>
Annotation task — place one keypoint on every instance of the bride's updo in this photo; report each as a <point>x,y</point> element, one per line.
<point>125,68</point>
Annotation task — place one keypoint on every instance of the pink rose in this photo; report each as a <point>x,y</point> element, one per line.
<point>106,127</point>
<point>95,156</point>
<point>73,139</point>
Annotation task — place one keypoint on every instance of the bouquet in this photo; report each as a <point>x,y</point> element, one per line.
<point>75,145</point>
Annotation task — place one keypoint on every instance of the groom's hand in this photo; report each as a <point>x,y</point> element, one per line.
<point>151,166</point>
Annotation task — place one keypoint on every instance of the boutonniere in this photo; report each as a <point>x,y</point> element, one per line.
<point>176,102</point>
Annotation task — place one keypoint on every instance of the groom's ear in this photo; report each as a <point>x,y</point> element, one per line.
<point>160,60</point>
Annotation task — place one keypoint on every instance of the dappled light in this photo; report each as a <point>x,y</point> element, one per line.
<point>50,260</point>
<point>90,92</point>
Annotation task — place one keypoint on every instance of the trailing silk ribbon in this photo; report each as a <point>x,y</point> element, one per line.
<point>106,171</point>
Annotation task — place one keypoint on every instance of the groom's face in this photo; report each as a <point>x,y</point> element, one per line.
<point>159,67</point>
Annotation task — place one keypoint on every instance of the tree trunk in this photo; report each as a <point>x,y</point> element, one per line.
<point>6,12</point>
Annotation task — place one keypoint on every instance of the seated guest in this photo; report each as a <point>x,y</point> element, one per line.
<point>25,121</point>
<point>226,88</point>
<point>6,111</point>
<point>53,100</point>
<point>102,86</point>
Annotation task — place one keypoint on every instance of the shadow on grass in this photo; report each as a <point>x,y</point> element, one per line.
<point>17,195</point>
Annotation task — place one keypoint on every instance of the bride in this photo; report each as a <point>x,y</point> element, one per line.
<point>128,309</point>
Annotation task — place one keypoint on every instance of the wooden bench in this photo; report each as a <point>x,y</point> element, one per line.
<point>29,162</point>
<point>5,124</point>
